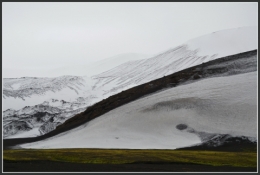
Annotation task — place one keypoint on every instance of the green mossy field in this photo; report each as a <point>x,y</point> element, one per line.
<point>126,156</point>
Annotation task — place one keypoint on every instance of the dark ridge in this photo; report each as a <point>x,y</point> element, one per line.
<point>230,65</point>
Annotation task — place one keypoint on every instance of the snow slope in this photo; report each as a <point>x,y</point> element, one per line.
<point>225,42</point>
<point>219,105</point>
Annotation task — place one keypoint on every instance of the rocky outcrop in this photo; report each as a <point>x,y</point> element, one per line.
<point>15,127</point>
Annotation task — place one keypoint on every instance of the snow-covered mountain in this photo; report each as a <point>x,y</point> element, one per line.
<point>29,91</point>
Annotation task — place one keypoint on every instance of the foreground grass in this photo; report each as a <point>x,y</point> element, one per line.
<point>118,156</point>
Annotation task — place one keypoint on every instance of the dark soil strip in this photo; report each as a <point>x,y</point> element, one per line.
<point>51,166</point>
<point>230,65</point>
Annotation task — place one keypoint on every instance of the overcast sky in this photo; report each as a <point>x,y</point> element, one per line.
<point>46,35</point>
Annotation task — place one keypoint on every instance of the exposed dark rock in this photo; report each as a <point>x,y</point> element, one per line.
<point>181,126</point>
<point>15,126</point>
<point>226,142</point>
<point>196,76</point>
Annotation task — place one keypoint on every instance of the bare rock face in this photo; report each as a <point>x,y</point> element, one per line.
<point>44,117</point>
<point>15,127</point>
<point>48,126</point>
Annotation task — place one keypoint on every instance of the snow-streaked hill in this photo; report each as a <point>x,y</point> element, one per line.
<point>219,105</point>
<point>194,52</point>
<point>28,91</point>
<point>21,92</point>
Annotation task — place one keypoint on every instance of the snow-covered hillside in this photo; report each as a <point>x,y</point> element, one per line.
<point>193,52</point>
<point>28,91</point>
<point>21,92</point>
<point>177,117</point>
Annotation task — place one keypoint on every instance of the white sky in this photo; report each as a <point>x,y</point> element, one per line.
<point>46,35</point>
